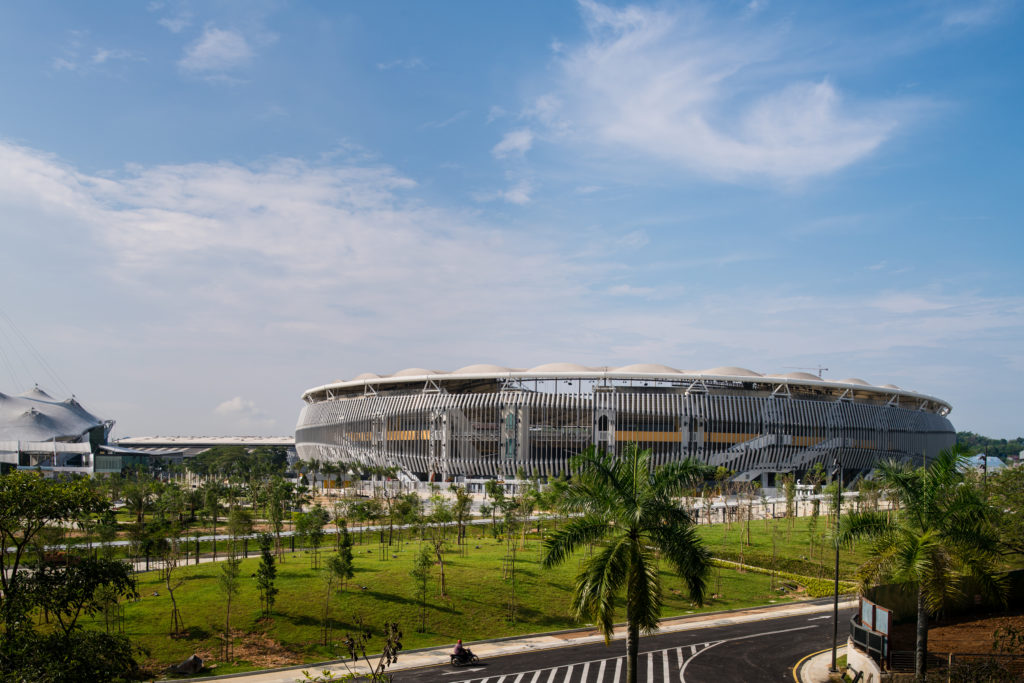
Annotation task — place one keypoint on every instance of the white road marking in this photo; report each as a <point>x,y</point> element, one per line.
<point>650,667</point>
<point>551,678</point>
<point>568,673</point>
<point>600,670</point>
<point>664,665</point>
<point>586,670</point>
<point>679,655</point>
<point>827,616</point>
<point>618,668</point>
<point>682,671</point>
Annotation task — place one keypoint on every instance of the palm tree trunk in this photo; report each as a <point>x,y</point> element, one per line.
<point>632,648</point>
<point>921,652</point>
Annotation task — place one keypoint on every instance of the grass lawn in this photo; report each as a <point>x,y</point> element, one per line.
<point>477,606</point>
<point>794,550</point>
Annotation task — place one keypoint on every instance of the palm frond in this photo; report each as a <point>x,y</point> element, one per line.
<point>576,533</point>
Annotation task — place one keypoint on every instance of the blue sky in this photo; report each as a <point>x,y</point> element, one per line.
<point>208,207</point>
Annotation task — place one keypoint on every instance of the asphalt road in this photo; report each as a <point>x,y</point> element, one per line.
<point>751,652</point>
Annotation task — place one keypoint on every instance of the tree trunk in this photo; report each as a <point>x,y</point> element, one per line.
<point>921,652</point>
<point>632,647</point>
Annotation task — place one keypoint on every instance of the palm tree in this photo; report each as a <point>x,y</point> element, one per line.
<point>631,510</point>
<point>941,537</point>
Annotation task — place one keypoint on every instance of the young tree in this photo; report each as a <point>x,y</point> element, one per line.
<point>239,526</point>
<point>943,535</point>
<point>440,517</point>
<point>421,575</point>
<point>170,556</point>
<point>460,511</point>
<point>630,508</point>
<point>310,528</point>
<point>228,583</point>
<point>266,574</point>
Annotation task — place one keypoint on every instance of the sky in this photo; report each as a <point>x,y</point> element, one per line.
<point>208,207</point>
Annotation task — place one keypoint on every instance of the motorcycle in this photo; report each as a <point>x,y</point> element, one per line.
<point>465,657</point>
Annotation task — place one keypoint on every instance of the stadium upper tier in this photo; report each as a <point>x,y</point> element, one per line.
<point>486,420</point>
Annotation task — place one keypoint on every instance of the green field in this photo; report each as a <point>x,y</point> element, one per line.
<point>476,608</point>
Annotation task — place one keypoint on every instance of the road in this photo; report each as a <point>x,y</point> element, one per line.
<point>749,652</point>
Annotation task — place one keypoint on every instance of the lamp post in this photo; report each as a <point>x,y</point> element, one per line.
<point>838,476</point>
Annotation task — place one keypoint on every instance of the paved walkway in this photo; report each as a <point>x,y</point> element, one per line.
<point>544,641</point>
<point>815,668</point>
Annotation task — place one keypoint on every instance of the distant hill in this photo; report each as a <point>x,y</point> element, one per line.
<point>997,447</point>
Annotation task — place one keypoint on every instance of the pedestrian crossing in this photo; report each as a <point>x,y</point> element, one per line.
<point>655,666</point>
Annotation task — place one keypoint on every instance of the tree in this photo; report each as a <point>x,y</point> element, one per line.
<point>941,537</point>
<point>228,583</point>
<point>630,509</point>
<point>266,574</point>
<point>461,507</point>
<point>170,555</point>
<point>496,492</point>
<point>28,503</point>
<point>440,517</point>
<point>345,565</point>
<point>310,528</point>
<point>421,574</point>
<point>1006,494</point>
<point>65,590</point>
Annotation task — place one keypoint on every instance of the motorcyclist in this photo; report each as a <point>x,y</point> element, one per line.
<point>463,654</point>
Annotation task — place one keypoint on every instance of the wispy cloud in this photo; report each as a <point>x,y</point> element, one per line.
<point>454,118</point>
<point>217,50</point>
<point>78,55</point>
<point>974,14</point>
<point>515,143</point>
<point>714,95</point>
<point>176,24</point>
<point>259,257</point>
<point>103,55</point>
<point>408,63</point>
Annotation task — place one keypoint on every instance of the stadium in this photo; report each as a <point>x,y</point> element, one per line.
<point>488,421</point>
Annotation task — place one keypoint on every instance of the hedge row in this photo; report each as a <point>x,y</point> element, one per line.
<point>815,588</point>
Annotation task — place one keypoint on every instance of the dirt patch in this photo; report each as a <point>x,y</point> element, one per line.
<point>968,635</point>
<point>258,648</point>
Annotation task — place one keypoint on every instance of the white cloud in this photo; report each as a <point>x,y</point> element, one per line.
<point>217,50</point>
<point>519,193</point>
<point>974,14</point>
<point>176,24</point>
<point>454,118</point>
<point>244,413</point>
<point>495,113</point>
<point>103,55</point>
<point>515,143</point>
<point>712,95</point>
<point>630,290</point>
<point>272,277</point>
<point>236,406</point>
<point>409,63</point>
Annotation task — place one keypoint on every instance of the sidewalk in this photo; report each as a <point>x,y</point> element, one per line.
<point>814,668</point>
<point>543,641</point>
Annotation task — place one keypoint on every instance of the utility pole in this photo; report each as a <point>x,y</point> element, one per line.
<point>838,475</point>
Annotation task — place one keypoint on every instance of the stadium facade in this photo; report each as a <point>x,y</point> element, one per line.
<point>490,421</point>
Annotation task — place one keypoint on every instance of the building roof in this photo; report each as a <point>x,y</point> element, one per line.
<point>37,416</point>
<point>726,375</point>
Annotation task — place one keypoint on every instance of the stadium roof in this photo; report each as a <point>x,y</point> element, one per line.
<point>731,375</point>
<point>37,416</point>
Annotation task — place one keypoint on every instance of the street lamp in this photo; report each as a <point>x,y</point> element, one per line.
<point>837,474</point>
